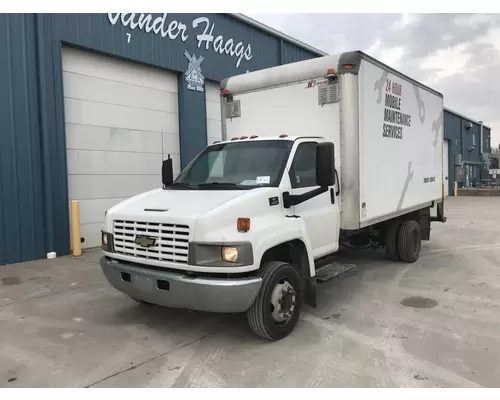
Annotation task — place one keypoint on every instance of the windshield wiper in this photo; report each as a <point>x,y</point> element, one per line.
<point>180,184</point>
<point>219,185</point>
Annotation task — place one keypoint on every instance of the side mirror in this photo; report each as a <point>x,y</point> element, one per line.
<point>325,164</point>
<point>167,172</point>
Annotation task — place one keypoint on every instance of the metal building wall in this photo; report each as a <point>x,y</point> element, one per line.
<point>21,175</point>
<point>33,172</point>
<point>461,142</point>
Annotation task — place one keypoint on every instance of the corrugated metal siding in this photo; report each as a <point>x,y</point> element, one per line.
<point>53,141</point>
<point>293,53</point>
<point>461,141</point>
<point>21,194</point>
<point>33,172</point>
<point>455,127</point>
<point>94,31</point>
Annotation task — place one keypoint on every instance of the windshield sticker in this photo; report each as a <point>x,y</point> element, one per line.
<point>248,182</point>
<point>263,179</point>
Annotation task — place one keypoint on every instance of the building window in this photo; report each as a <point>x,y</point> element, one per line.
<point>473,139</point>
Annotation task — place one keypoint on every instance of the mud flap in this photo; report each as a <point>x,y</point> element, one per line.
<point>310,293</point>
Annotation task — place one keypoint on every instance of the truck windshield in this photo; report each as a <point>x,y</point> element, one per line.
<point>236,165</point>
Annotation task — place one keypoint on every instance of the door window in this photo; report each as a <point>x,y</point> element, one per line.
<point>303,169</point>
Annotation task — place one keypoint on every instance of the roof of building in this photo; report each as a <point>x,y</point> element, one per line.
<point>274,32</point>
<point>467,118</point>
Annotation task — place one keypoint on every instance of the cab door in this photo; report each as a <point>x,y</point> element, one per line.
<point>321,214</point>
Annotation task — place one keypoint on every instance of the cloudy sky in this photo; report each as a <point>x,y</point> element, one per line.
<point>457,54</point>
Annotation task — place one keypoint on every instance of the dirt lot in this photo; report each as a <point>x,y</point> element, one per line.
<point>431,324</point>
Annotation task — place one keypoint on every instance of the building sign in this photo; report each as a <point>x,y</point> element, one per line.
<point>204,30</point>
<point>193,76</point>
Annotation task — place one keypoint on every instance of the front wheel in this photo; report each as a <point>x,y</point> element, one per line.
<point>276,310</point>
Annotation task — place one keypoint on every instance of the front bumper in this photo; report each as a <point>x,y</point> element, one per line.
<point>177,290</point>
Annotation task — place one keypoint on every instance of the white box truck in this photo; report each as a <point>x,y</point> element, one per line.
<point>337,149</point>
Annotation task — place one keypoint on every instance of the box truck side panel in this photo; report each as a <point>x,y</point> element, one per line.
<point>292,109</point>
<point>401,144</point>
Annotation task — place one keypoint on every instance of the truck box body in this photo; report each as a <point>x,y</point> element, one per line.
<point>386,127</point>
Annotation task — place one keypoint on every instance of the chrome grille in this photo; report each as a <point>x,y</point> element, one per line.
<point>171,240</point>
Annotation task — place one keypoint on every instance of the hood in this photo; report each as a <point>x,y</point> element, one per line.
<point>181,203</point>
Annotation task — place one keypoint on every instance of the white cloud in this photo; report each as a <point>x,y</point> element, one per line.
<point>404,22</point>
<point>492,38</point>
<point>392,57</point>
<point>446,62</point>
<point>375,49</point>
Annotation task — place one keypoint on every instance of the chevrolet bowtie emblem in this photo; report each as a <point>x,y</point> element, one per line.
<point>145,241</point>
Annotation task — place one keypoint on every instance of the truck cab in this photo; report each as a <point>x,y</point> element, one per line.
<point>237,231</point>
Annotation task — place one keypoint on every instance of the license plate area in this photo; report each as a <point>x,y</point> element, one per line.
<point>144,283</point>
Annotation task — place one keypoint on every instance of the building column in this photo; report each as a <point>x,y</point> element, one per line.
<point>192,121</point>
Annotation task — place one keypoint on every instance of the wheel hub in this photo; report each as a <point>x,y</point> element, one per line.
<point>283,301</point>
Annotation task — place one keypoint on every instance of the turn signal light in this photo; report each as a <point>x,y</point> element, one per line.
<point>226,92</point>
<point>330,71</point>
<point>347,66</point>
<point>243,224</point>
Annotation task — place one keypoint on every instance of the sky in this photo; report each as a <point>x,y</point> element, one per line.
<point>456,54</point>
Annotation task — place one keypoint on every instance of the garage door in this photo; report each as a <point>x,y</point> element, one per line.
<point>446,180</point>
<point>214,127</point>
<point>119,117</point>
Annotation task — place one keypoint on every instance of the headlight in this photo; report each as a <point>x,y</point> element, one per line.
<point>230,254</point>
<point>106,241</point>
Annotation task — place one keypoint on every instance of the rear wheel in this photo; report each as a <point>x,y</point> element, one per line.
<point>276,310</point>
<point>391,241</point>
<point>409,241</point>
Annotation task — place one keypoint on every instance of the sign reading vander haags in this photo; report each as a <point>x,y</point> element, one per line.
<point>178,30</point>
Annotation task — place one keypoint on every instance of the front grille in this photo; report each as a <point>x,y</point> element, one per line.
<point>171,240</point>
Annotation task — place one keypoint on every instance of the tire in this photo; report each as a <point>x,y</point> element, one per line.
<point>391,241</point>
<point>261,315</point>
<point>409,241</point>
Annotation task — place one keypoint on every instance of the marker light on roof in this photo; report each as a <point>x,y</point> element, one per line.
<point>283,135</point>
<point>235,138</point>
<point>253,136</point>
<point>243,137</point>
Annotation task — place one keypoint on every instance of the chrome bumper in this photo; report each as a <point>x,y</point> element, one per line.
<point>176,290</point>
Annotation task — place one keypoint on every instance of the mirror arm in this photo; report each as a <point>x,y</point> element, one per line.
<point>296,199</point>
<point>337,182</point>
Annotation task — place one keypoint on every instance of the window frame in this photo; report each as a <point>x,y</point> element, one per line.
<point>291,170</point>
<point>276,183</point>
